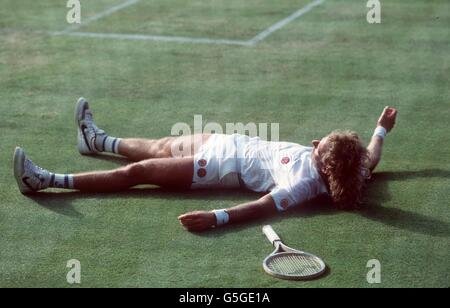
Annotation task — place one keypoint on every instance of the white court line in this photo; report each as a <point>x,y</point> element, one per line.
<point>70,31</point>
<point>261,36</point>
<point>98,16</point>
<point>141,37</point>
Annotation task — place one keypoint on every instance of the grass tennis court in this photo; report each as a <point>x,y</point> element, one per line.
<point>325,70</point>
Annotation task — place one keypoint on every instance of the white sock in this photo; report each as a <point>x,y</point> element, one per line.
<point>107,144</point>
<point>61,180</point>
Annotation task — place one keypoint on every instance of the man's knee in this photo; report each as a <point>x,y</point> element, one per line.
<point>165,147</point>
<point>135,171</point>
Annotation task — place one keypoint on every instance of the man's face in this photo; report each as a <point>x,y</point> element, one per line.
<point>319,147</point>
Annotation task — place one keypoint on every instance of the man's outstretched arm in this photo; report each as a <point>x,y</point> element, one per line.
<point>386,121</point>
<point>204,220</point>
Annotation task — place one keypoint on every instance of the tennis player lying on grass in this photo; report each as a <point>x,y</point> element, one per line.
<point>338,164</point>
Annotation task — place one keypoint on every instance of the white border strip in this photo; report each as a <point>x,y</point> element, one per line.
<point>261,36</point>
<point>70,31</point>
<point>98,16</point>
<point>140,37</point>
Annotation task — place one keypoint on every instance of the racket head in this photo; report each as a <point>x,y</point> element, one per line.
<point>291,264</point>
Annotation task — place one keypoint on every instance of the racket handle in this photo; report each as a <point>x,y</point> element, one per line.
<point>270,233</point>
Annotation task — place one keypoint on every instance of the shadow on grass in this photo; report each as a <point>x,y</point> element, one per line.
<point>62,202</point>
<point>408,175</point>
<point>376,194</point>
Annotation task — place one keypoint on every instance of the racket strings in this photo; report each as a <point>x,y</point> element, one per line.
<point>294,264</point>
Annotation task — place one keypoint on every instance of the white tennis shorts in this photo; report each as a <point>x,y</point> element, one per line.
<point>216,164</point>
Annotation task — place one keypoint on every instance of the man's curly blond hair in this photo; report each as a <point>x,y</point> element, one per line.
<point>344,164</point>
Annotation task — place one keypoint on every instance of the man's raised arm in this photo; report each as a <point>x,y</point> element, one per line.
<point>384,125</point>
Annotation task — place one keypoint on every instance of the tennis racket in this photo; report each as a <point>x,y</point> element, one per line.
<point>287,263</point>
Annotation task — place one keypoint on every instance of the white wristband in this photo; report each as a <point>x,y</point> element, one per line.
<point>222,217</point>
<point>380,131</point>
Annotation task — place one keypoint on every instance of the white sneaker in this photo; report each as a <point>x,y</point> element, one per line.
<point>87,130</point>
<point>30,178</point>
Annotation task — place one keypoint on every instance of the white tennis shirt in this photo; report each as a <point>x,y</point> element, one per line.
<point>284,169</point>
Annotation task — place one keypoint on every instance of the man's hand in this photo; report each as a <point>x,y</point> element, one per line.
<point>198,220</point>
<point>387,118</point>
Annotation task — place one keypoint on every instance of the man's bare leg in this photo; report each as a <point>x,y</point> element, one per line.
<point>167,172</point>
<point>93,140</point>
<point>164,162</point>
<point>169,147</point>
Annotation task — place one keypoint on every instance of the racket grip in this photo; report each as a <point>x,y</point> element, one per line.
<point>270,233</point>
